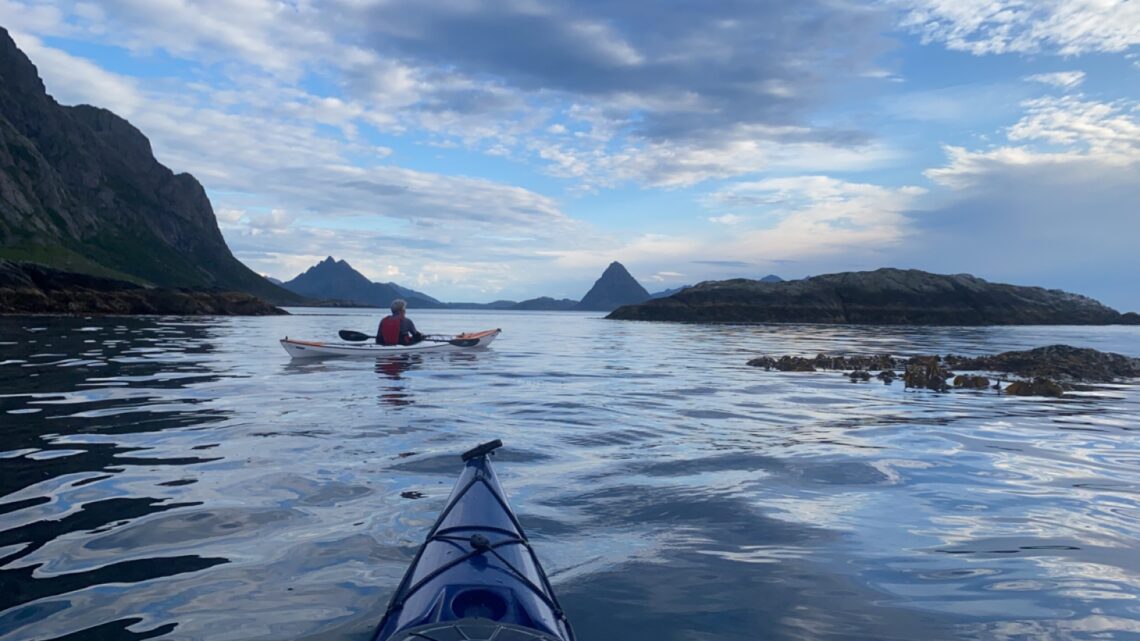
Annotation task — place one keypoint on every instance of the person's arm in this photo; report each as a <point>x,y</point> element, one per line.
<point>416,335</point>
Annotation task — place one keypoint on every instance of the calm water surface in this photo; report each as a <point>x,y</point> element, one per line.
<point>183,479</point>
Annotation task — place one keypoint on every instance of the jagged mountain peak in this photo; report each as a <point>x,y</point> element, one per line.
<point>615,288</point>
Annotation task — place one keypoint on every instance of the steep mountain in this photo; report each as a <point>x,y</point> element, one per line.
<point>881,297</point>
<point>333,279</point>
<point>80,190</point>
<point>615,288</point>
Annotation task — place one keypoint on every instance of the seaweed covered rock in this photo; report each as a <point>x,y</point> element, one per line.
<point>926,373</point>
<point>1039,386</point>
<point>971,382</point>
<point>1060,362</point>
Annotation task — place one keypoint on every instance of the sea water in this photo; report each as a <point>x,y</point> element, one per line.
<point>182,478</point>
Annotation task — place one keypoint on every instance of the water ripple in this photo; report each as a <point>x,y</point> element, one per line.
<point>182,478</point>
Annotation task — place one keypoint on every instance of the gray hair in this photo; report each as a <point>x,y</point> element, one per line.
<point>399,305</point>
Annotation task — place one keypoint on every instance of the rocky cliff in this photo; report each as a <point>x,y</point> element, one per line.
<point>80,190</point>
<point>881,297</point>
<point>615,288</point>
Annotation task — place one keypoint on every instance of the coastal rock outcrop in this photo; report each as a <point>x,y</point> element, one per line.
<point>880,297</point>
<point>29,288</point>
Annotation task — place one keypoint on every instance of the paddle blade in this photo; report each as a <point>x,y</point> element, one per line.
<point>349,335</point>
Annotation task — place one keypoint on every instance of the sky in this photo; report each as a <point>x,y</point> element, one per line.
<point>479,150</point>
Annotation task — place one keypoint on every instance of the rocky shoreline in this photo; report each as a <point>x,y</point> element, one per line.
<point>881,297</point>
<point>29,288</point>
<point>1045,371</point>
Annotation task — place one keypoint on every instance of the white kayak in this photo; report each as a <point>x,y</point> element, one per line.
<point>458,343</point>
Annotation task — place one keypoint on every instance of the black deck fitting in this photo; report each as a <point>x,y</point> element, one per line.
<point>482,450</point>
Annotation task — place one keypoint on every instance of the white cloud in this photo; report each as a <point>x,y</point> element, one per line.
<point>1053,132</point>
<point>1060,79</point>
<point>732,152</point>
<point>727,219</point>
<point>808,218</point>
<point>72,80</point>
<point>1063,27</point>
<point>274,220</point>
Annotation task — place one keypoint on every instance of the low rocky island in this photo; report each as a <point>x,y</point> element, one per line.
<point>1045,371</point>
<point>881,297</point>
<point>29,288</point>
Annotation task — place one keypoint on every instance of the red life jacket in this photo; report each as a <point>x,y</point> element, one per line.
<point>390,330</point>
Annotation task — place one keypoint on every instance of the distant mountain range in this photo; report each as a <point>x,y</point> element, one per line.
<point>81,191</point>
<point>335,282</point>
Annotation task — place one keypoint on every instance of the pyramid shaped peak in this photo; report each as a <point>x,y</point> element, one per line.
<point>615,288</point>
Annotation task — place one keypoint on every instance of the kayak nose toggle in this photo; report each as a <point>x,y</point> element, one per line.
<point>480,542</point>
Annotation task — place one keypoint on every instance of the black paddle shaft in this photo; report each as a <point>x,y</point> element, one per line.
<point>351,336</point>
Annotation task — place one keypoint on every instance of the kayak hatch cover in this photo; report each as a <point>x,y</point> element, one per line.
<point>476,576</point>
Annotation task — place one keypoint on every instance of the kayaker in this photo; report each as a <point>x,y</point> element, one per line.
<point>398,329</point>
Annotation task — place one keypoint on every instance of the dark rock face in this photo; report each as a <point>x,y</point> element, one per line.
<point>336,280</point>
<point>29,288</point>
<point>881,297</point>
<point>1130,318</point>
<point>81,190</point>
<point>615,288</point>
